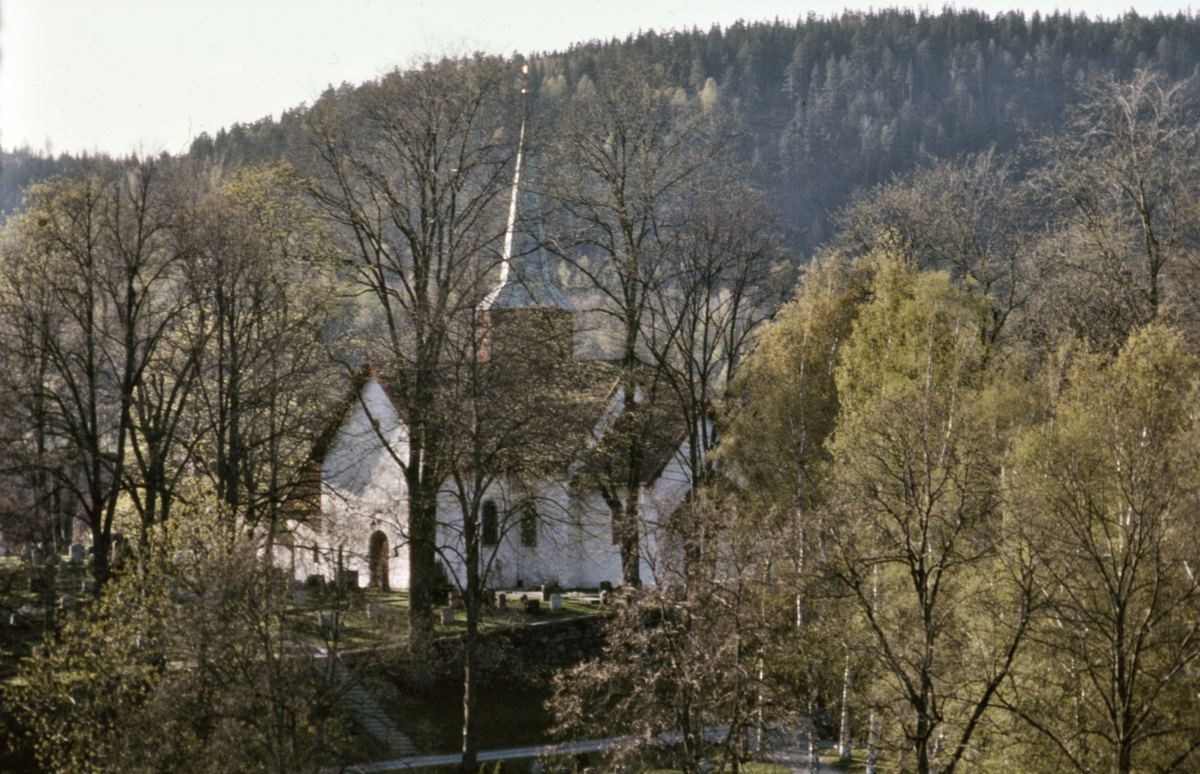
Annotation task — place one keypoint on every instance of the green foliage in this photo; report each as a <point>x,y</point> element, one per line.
<point>781,404</point>
<point>929,576</point>
<point>187,664</point>
<point>1110,488</point>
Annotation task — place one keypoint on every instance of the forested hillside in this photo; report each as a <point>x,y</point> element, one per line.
<point>838,105</point>
<point>832,105</point>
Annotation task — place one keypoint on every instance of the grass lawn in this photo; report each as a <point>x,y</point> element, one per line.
<point>358,629</point>
<point>857,763</point>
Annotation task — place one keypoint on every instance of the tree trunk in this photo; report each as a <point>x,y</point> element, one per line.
<point>844,736</point>
<point>422,526</point>
<point>872,744</point>
<point>473,599</point>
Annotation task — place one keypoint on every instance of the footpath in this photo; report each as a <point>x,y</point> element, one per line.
<point>789,751</point>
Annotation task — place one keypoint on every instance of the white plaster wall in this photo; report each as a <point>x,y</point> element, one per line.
<point>574,548</point>
<point>363,489</point>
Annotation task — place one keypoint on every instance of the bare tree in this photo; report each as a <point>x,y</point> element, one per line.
<point>411,170</point>
<point>252,356</point>
<point>625,148</point>
<point>972,217</point>
<point>1122,176</point>
<point>724,275</point>
<point>95,246</point>
<point>683,668</point>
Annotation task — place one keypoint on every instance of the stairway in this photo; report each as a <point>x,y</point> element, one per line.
<point>366,712</point>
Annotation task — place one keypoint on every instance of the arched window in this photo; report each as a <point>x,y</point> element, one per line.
<point>529,524</point>
<point>378,561</point>
<point>489,529</point>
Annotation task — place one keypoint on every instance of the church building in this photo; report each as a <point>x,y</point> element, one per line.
<point>542,517</point>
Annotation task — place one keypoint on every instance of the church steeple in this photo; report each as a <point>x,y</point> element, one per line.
<point>525,316</point>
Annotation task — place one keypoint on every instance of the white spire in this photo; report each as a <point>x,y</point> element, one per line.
<point>506,261</point>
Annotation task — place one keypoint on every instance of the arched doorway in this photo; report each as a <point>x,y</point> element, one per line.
<point>378,557</point>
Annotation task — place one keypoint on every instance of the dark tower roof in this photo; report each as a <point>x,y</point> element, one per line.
<point>530,282</point>
<point>526,280</point>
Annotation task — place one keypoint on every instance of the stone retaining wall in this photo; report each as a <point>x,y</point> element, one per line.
<point>532,650</point>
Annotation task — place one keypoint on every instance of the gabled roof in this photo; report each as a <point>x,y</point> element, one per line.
<point>569,422</point>
<point>365,374</point>
<point>658,427</point>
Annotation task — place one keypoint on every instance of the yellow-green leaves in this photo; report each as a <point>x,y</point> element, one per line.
<point>1110,488</point>
<point>919,333</point>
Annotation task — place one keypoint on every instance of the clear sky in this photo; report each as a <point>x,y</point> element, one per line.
<point>149,75</point>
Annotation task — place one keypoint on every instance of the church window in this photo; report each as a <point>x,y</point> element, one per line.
<point>489,531</point>
<point>529,524</point>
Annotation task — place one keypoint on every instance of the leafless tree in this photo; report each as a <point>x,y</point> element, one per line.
<point>1121,177</point>
<point>724,274</point>
<point>626,146</point>
<point>95,257</point>
<point>411,170</point>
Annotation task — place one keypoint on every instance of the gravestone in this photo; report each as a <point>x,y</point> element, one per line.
<point>328,621</point>
<point>301,597</point>
<point>533,606</point>
<point>372,611</point>
<point>68,602</point>
<point>555,602</point>
<point>456,600</point>
<point>605,586</point>
<point>545,593</point>
<point>447,616</point>
<point>502,601</point>
<point>704,767</point>
<point>88,586</point>
<point>77,552</point>
<point>605,598</point>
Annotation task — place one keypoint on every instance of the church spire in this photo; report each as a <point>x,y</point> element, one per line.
<point>526,280</point>
<point>506,259</point>
<point>525,316</point>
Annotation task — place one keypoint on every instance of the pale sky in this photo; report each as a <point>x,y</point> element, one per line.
<point>149,75</point>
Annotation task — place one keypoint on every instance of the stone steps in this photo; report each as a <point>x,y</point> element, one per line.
<point>366,712</point>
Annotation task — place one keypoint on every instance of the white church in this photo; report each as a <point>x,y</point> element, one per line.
<point>548,525</point>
